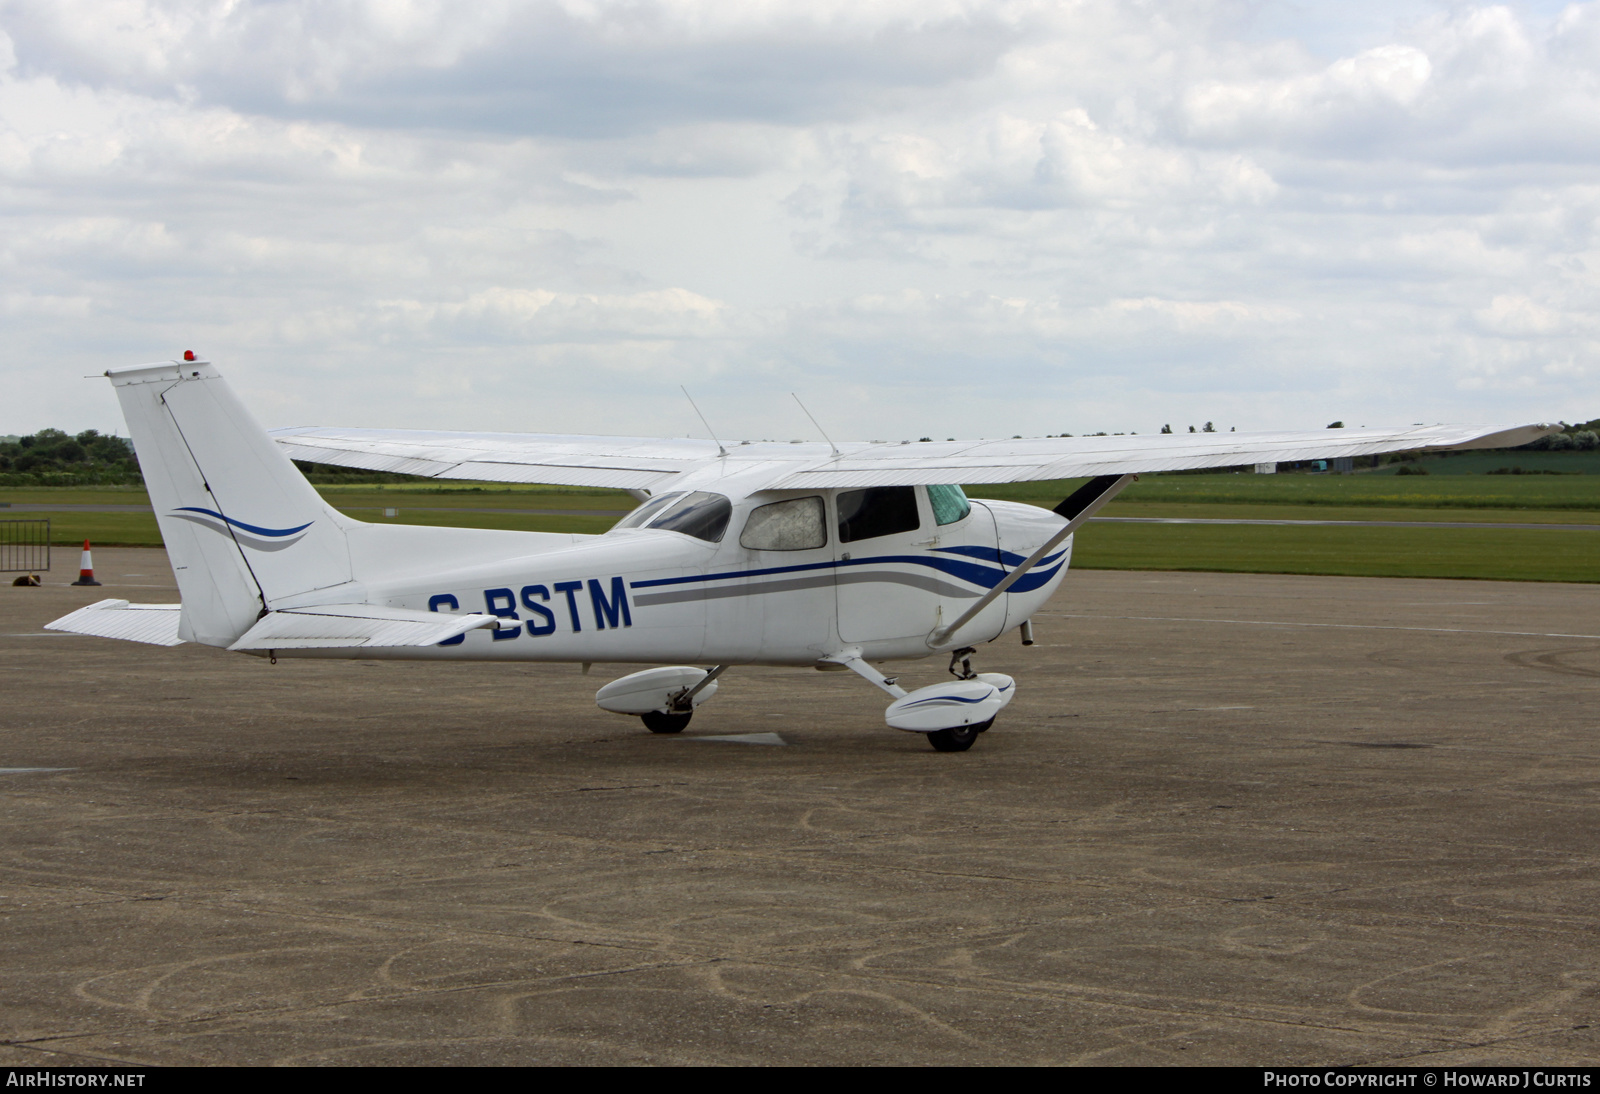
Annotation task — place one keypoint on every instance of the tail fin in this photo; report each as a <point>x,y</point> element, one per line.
<point>243,528</point>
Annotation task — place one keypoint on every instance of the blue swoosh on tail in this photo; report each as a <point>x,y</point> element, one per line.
<point>275,532</point>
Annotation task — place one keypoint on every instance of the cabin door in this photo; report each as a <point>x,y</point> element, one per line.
<point>885,586</point>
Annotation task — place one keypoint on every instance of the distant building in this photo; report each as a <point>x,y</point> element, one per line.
<point>1266,469</point>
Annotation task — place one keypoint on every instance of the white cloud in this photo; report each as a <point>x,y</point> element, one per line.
<point>1519,317</point>
<point>421,213</point>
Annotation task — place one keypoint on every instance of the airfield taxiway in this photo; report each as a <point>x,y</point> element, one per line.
<point>1229,819</point>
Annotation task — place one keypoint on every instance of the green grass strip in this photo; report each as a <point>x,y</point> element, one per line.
<point>1502,554</point>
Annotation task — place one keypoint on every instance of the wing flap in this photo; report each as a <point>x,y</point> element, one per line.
<point>340,626</point>
<point>154,624</point>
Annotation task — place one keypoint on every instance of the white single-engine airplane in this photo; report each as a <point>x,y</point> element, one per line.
<point>773,554</point>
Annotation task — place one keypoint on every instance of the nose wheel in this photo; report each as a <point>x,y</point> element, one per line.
<point>957,738</point>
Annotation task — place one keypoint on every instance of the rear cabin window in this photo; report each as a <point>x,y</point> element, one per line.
<point>701,515</point>
<point>798,524</point>
<point>949,504</point>
<point>877,511</point>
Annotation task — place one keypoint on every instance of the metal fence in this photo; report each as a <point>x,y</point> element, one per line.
<point>24,546</point>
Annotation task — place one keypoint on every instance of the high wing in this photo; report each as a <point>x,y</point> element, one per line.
<point>618,463</point>
<point>638,463</point>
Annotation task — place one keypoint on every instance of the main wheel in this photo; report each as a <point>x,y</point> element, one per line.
<point>956,738</point>
<point>659,722</point>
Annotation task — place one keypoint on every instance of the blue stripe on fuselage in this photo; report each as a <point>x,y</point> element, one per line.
<point>1008,558</point>
<point>986,577</point>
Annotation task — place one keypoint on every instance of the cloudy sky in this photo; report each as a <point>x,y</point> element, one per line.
<point>940,217</point>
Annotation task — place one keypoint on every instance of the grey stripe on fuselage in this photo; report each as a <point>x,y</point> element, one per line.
<point>924,582</point>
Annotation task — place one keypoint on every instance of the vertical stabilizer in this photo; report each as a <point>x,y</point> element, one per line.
<point>242,526</point>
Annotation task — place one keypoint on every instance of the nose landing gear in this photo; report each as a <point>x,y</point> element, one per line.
<point>950,715</point>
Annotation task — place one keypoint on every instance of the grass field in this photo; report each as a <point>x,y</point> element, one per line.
<point>1480,463</point>
<point>1511,553</point>
<point>1345,491</point>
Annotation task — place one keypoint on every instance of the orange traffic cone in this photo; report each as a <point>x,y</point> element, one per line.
<point>86,568</point>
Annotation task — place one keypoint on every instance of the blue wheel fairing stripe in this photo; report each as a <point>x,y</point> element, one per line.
<point>274,532</point>
<point>945,699</point>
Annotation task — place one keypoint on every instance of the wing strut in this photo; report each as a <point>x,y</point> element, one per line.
<point>1084,503</point>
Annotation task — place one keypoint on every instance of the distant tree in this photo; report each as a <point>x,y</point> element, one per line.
<point>1586,439</point>
<point>924,438</point>
<point>1191,429</point>
<point>1209,428</point>
<point>89,456</point>
<point>1335,425</point>
<point>1166,429</point>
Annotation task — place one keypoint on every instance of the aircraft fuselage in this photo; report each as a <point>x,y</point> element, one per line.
<point>653,596</point>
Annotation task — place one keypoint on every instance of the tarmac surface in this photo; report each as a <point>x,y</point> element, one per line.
<point>1229,819</point>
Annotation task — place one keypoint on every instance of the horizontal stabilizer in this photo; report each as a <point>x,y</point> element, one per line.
<point>156,624</point>
<point>334,626</point>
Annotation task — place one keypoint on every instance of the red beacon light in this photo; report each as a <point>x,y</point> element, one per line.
<point>188,355</point>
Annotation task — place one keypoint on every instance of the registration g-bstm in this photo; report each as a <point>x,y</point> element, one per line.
<point>773,554</point>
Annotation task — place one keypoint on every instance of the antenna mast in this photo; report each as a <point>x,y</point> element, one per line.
<point>814,422</point>
<point>720,450</point>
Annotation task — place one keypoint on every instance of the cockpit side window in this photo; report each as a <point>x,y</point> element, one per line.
<point>650,508</point>
<point>877,511</point>
<point>949,504</point>
<point>794,525</point>
<point>700,514</point>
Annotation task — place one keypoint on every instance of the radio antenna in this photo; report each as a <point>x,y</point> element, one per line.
<point>720,450</point>
<point>814,422</point>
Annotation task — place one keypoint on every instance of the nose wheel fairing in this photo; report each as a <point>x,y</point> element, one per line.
<point>951,714</point>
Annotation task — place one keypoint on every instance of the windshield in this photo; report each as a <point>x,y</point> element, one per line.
<point>701,515</point>
<point>649,509</point>
<point>949,504</point>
